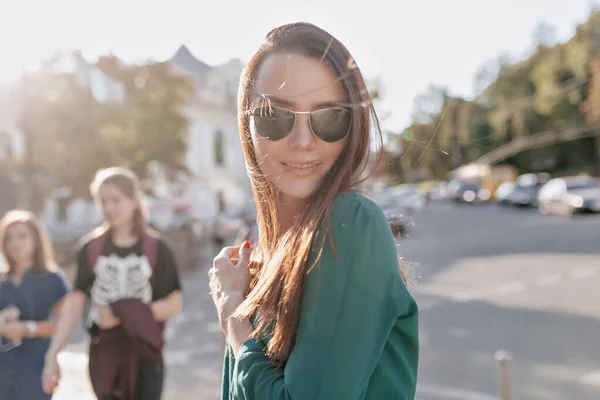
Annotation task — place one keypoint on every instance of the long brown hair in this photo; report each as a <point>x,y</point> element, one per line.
<point>128,183</point>
<point>276,292</point>
<point>43,256</point>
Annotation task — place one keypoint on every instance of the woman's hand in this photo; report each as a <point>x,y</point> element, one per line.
<point>230,280</point>
<point>14,330</point>
<point>107,318</point>
<point>50,374</point>
<point>9,314</point>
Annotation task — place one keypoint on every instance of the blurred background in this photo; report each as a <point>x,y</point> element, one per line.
<point>490,113</point>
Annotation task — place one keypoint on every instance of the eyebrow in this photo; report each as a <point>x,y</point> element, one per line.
<point>288,103</point>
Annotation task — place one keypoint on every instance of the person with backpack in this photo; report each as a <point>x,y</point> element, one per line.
<point>128,276</point>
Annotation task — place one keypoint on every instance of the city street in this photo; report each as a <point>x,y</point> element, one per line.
<point>490,279</point>
<point>486,279</point>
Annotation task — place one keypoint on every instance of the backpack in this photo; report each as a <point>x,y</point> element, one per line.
<point>96,247</point>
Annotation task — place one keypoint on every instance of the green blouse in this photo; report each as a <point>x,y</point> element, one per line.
<point>358,330</point>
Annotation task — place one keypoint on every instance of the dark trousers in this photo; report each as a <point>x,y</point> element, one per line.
<point>149,382</point>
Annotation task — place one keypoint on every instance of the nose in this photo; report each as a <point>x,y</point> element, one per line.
<point>301,137</point>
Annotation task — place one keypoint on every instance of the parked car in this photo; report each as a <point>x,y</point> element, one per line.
<point>439,192</point>
<point>503,191</point>
<point>464,191</point>
<point>570,195</point>
<point>400,204</point>
<point>525,192</point>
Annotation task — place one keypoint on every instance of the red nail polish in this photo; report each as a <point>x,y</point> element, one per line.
<point>247,244</point>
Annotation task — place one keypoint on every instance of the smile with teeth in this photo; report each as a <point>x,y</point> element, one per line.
<point>301,166</point>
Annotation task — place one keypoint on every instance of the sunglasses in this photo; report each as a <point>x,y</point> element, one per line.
<point>328,124</point>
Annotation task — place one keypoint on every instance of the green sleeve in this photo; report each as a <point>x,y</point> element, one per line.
<point>351,303</point>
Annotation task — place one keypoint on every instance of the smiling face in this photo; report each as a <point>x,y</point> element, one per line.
<point>296,163</point>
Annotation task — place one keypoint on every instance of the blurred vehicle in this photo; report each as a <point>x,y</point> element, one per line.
<point>503,191</point>
<point>398,222</point>
<point>570,195</point>
<point>525,192</point>
<point>486,177</point>
<point>399,204</point>
<point>439,192</point>
<point>464,191</point>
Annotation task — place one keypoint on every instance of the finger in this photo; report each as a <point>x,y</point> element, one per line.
<point>245,249</point>
<point>229,251</point>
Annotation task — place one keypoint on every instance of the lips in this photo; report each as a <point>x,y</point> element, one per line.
<point>305,165</point>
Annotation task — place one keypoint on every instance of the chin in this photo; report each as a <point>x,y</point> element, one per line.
<point>297,192</point>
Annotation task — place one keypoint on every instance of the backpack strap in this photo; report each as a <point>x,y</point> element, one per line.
<point>150,246</point>
<point>94,250</point>
<point>96,246</point>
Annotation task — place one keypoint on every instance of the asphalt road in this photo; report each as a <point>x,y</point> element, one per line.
<point>485,279</point>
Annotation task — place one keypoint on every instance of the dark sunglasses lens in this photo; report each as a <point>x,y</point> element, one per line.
<point>331,124</point>
<point>273,123</point>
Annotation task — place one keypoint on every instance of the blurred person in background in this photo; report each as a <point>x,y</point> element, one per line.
<point>129,275</point>
<point>32,292</point>
<point>318,308</point>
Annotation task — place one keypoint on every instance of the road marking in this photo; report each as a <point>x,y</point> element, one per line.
<point>510,287</point>
<point>582,273</point>
<point>460,333</point>
<point>428,304</point>
<point>548,280</point>
<point>464,297</point>
<point>593,378</point>
<point>435,392</point>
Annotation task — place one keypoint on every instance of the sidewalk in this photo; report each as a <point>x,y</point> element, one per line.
<point>75,384</point>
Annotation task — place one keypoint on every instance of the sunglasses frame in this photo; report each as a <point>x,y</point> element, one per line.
<point>295,113</point>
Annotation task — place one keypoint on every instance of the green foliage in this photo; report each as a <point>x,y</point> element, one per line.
<point>545,92</point>
<point>70,133</point>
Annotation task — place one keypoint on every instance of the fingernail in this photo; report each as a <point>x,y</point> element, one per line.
<point>246,244</point>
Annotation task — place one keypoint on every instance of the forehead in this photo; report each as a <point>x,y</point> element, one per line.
<point>18,228</point>
<point>297,80</point>
<point>110,189</point>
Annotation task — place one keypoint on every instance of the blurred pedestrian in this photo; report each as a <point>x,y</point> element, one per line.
<point>128,274</point>
<point>32,293</point>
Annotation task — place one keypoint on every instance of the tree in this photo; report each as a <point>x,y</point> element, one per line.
<point>70,134</point>
<point>429,104</point>
<point>545,35</point>
<point>150,125</point>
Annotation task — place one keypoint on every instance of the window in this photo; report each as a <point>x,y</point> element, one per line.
<point>5,146</point>
<point>221,201</point>
<point>62,208</point>
<point>219,148</point>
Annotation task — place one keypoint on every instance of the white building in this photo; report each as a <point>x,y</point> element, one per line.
<point>214,153</point>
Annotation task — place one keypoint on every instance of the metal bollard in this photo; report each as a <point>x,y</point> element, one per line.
<point>503,357</point>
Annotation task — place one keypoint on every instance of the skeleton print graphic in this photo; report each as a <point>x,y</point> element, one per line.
<point>120,278</point>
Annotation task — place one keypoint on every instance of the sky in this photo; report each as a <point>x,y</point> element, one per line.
<point>407,44</point>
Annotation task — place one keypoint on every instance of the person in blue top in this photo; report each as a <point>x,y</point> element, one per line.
<point>31,295</point>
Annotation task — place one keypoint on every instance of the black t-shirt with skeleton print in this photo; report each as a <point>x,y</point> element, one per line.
<point>125,272</point>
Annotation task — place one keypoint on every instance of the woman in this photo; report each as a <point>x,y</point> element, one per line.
<point>123,268</point>
<point>31,296</point>
<point>322,312</point>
